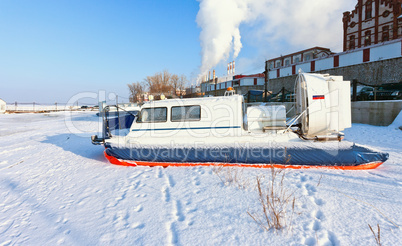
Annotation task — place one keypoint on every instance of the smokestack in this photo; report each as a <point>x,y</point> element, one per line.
<point>228,68</point>
<point>214,75</point>
<point>209,75</point>
<point>233,67</point>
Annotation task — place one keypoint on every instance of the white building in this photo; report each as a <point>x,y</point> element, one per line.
<point>381,51</point>
<point>297,57</point>
<point>2,106</point>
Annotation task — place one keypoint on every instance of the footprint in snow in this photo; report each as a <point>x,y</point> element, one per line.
<point>201,170</point>
<point>138,208</point>
<point>140,195</point>
<point>196,181</point>
<point>318,201</point>
<point>135,175</point>
<point>145,176</point>
<point>310,241</point>
<point>166,194</point>
<point>135,185</point>
<point>178,211</point>
<point>172,234</point>
<point>137,225</point>
<point>171,181</point>
<point>316,225</point>
<point>158,172</point>
<point>327,238</point>
<point>121,219</point>
<point>318,215</point>
<point>309,190</point>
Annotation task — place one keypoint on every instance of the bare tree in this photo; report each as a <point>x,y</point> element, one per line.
<point>174,80</point>
<point>136,90</point>
<point>160,83</point>
<point>182,83</point>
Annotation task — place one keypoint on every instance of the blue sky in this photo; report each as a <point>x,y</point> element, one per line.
<point>52,50</point>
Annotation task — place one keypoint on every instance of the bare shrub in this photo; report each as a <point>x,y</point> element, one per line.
<point>377,237</point>
<point>231,176</point>
<point>277,202</point>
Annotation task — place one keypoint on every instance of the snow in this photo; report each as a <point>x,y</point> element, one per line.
<point>397,123</point>
<point>56,188</point>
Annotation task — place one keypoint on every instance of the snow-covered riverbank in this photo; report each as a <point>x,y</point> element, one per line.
<point>57,188</point>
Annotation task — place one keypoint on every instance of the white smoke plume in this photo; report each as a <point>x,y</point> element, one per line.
<point>299,23</point>
<point>220,34</point>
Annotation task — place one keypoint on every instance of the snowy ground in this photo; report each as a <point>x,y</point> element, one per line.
<point>57,188</point>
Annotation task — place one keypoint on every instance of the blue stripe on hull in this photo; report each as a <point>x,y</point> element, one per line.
<point>187,128</point>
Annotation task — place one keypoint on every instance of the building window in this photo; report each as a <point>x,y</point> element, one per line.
<point>352,42</point>
<point>278,63</point>
<point>367,38</point>
<point>271,65</point>
<point>307,57</point>
<point>385,33</point>
<point>369,10</point>
<point>186,113</point>
<point>287,62</point>
<point>297,59</point>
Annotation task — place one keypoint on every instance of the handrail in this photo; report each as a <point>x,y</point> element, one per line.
<point>106,121</point>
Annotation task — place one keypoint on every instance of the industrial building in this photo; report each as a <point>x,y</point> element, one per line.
<point>214,86</point>
<point>372,54</point>
<point>301,56</point>
<point>372,22</point>
<point>372,49</point>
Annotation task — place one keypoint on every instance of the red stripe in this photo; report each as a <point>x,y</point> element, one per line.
<point>116,161</point>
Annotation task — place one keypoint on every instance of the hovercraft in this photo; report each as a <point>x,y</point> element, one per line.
<point>229,132</point>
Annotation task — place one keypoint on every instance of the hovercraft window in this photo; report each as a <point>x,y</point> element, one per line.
<point>152,115</point>
<point>186,113</point>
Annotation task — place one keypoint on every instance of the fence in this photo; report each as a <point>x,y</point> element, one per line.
<point>39,107</point>
<point>377,113</point>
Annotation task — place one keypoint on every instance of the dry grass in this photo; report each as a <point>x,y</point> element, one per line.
<point>277,202</point>
<point>319,181</point>
<point>377,237</point>
<point>231,176</point>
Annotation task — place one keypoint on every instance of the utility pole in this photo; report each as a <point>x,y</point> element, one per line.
<point>283,94</point>
<point>215,80</point>
<point>266,82</point>
<point>354,95</point>
<point>117,109</point>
